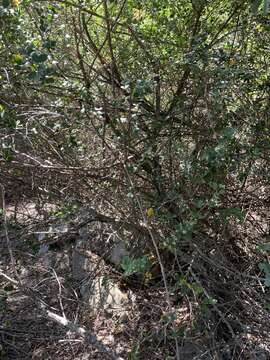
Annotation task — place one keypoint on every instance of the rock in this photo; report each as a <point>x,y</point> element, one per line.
<point>84,262</point>
<point>59,228</point>
<point>103,294</point>
<point>81,265</point>
<point>109,241</point>
<point>118,252</point>
<point>98,291</point>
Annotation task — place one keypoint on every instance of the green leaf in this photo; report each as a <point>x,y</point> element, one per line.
<point>266,7</point>
<point>265,266</point>
<point>18,59</point>
<point>264,247</point>
<point>135,265</point>
<point>38,58</point>
<point>233,212</point>
<point>168,318</point>
<point>50,44</point>
<point>142,88</point>
<point>210,301</point>
<point>7,154</point>
<point>255,4</point>
<point>198,290</point>
<point>5,3</point>
<point>229,133</point>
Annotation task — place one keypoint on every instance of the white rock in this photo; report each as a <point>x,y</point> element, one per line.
<point>103,294</point>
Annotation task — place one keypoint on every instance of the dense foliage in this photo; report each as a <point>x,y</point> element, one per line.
<point>155,113</point>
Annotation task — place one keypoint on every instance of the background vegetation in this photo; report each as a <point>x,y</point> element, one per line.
<point>156,114</point>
